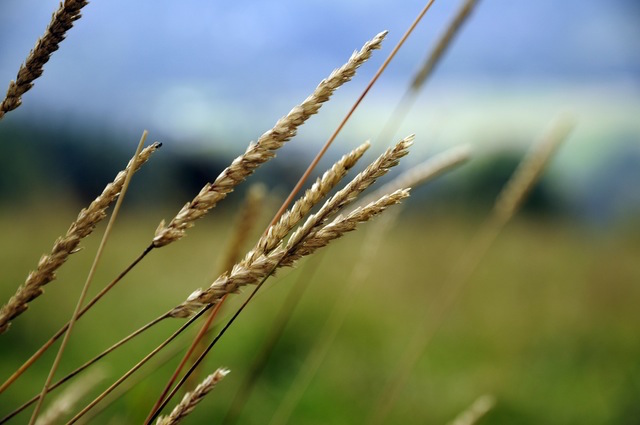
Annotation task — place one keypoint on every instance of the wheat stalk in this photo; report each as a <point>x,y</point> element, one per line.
<point>301,208</point>
<point>288,257</point>
<point>413,177</point>
<point>90,275</point>
<point>259,263</point>
<point>61,22</point>
<point>274,235</point>
<point>66,245</point>
<point>243,165</point>
<point>263,150</point>
<point>191,399</point>
<point>343,224</point>
<point>361,182</point>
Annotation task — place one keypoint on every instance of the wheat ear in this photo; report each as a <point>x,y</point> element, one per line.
<point>270,239</point>
<point>301,208</point>
<point>85,288</point>
<point>247,220</point>
<point>191,399</point>
<point>259,264</point>
<point>61,22</point>
<point>343,224</point>
<point>356,186</point>
<point>339,227</point>
<point>274,234</point>
<point>263,150</point>
<point>423,172</point>
<point>68,244</point>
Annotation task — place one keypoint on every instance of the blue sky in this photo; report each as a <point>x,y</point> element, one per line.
<point>241,47</point>
<point>217,74</point>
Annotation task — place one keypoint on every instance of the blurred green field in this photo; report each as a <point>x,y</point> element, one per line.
<point>549,324</point>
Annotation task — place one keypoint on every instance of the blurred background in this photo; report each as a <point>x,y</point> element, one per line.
<point>550,324</point>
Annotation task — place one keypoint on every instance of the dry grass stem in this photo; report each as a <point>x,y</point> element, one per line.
<point>507,203</point>
<point>137,366</point>
<point>68,244</point>
<point>335,318</point>
<point>263,263</point>
<point>342,225</point>
<point>344,121</point>
<point>89,279</point>
<point>88,363</point>
<point>529,170</point>
<point>432,59</point>
<point>476,411</point>
<point>301,208</point>
<point>346,195</point>
<point>249,213</point>
<point>288,257</point>
<point>423,172</point>
<point>191,399</point>
<point>248,217</point>
<point>442,44</point>
<point>263,150</point>
<point>64,404</point>
<point>61,22</point>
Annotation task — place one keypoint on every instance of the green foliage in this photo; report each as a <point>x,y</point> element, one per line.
<point>548,324</point>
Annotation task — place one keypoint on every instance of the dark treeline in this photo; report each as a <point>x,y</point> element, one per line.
<point>45,162</point>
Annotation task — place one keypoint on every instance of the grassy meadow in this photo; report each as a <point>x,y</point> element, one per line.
<point>547,325</point>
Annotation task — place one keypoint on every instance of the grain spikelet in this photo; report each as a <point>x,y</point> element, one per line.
<point>361,182</point>
<point>423,172</point>
<point>191,399</point>
<point>61,22</point>
<point>68,244</point>
<point>341,225</point>
<point>259,263</point>
<point>249,274</point>
<point>443,43</point>
<point>263,150</point>
<point>301,208</point>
